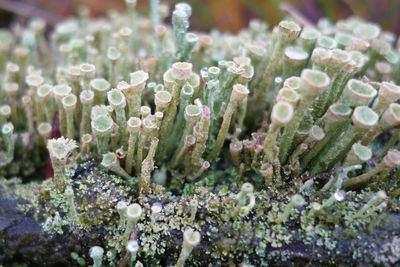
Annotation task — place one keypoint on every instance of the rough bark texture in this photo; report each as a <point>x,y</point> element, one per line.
<point>225,240</point>
<point>22,240</point>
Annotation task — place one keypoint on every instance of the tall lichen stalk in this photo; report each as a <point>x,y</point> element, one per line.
<point>157,105</point>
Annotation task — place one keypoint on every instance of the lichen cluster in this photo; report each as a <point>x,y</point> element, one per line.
<point>246,145</point>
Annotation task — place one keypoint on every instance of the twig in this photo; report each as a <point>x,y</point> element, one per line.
<point>26,10</point>
<point>295,14</point>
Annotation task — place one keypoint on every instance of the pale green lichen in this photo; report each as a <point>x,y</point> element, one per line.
<point>163,129</point>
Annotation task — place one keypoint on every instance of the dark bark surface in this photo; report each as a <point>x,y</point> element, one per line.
<point>370,241</point>
<point>22,240</point>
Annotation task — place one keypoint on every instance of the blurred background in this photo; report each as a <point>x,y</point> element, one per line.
<point>227,15</point>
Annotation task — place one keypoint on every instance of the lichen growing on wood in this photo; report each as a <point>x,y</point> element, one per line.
<point>270,147</point>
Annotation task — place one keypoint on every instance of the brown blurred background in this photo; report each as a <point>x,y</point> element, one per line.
<point>228,15</point>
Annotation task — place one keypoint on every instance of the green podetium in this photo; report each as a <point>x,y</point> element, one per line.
<point>239,93</point>
<point>69,104</point>
<point>308,37</point>
<point>87,73</point>
<point>196,174</point>
<point>180,22</point>
<point>388,93</point>
<point>236,148</point>
<point>193,209</point>
<point>121,208</point>
<point>145,111</point>
<point>111,162</point>
<point>295,201</point>
<point>96,253</point>
<point>125,34</point>
<point>389,119</point>
<point>284,33</point>
<point>100,88</point>
<point>117,100</point>
<point>293,60</point>
<point>87,98</point>
<point>191,40</point>
<point>336,117</point>
<point>188,143</point>
<point>113,55</point>
<point>12,91</point>
<point>315,211</point>
<point>326,42</point>
<point>158,117</point>
<point>28,110</point>
<point>69,195</point>
<point>60,149</point>
<point>132,248</point>
<point>102,127</point>
<point>21,55</point>
<point>363,120</point>
<point>390,161</point>
<point>34,81</point>
<point>74,78</point>
<point>11,73</point>
<point>181,72</point>
<point>133,91</point>
<point>174,79</point>
<point>133,214</point>
<point>245,200</point>
<point>7,131</point>
<point>357,93</point>
<point>288,95</point>
<point>65,52</point>
<point>133,125</point>
<point>367,31</point>
<point>5,113</point>
<point>358,154</point>
<point>191,238</point>
<point>338,196</point>
<point>38,26</point>
<point>156,211</point>
<point>148,167</point>
<point>281,115</point>
<point>320,57</point>
<point>149,128</point>
<point>191,115</point>
<point>131,4</point>
<point>44,129</point>
<point>59,92</point>
<point>100,110</point>
<point>245,190</point>
<point>162,99</point>
<point>200,132</point>
<point>378,198</point>
<point>44,93</point>
<point>312,83</point>
<point>86,144</point>
<point>335,182</point>
<point>315,135</point>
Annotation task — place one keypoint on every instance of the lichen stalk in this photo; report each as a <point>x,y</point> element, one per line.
<point>60,150</point>
<point>111,162</point>
<point>148,167</point>
<point>239,92</point>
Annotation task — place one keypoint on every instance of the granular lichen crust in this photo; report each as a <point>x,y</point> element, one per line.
<point>331,238</point>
